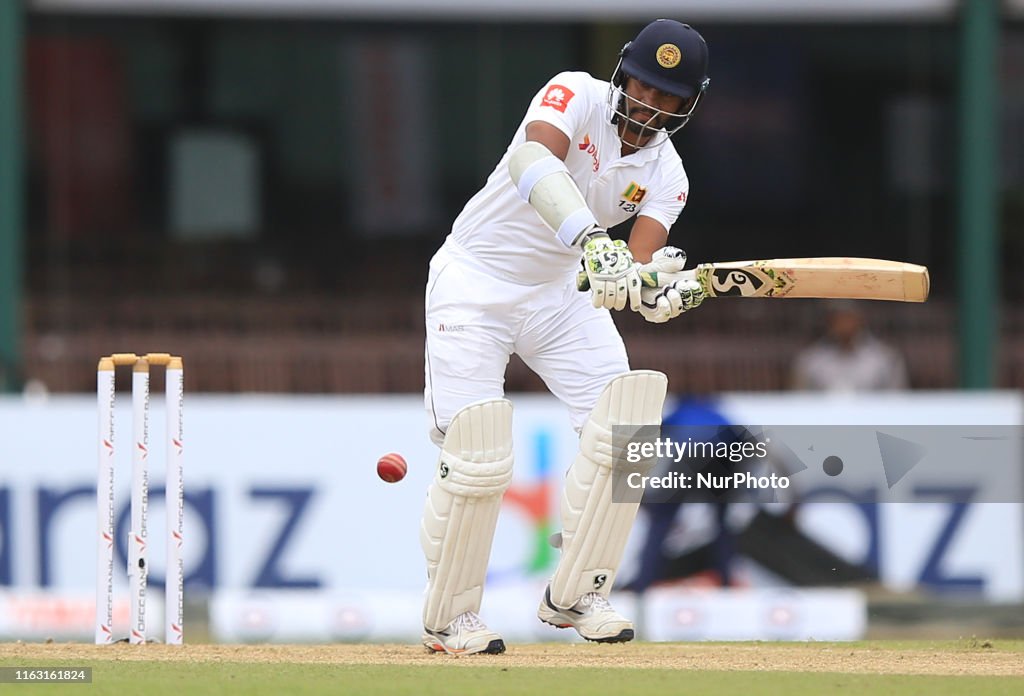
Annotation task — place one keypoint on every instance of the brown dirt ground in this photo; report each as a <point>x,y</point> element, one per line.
<point>966,658</point>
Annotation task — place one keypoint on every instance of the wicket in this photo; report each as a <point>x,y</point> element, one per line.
<point>138,567</point>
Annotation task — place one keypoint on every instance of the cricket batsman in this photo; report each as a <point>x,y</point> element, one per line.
<point>588,155</point>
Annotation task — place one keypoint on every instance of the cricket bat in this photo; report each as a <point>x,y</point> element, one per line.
<point>824,277</point>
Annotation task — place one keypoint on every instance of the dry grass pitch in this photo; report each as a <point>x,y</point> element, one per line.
<point>897,667</point>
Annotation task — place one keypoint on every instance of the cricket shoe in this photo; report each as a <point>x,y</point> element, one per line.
<point>466,635</point>
<point>592,617</point>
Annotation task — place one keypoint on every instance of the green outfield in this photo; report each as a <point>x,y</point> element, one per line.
<point>969,666</point>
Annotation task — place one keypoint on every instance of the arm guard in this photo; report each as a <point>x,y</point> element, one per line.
<point>544,182</point>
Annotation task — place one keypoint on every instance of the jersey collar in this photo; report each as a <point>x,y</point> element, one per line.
<point>643,155</point>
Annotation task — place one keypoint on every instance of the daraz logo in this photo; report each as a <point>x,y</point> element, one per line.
<point>591,150</point>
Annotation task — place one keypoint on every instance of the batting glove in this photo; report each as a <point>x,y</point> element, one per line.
<point>658,305</point>
<point>614,276</point>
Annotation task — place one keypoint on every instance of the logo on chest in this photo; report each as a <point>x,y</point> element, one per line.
<point>634,193</point>
<point>591,149</point>
<point>632,197</point>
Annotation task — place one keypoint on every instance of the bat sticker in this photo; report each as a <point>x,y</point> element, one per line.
<point>736,282</point>
<point>750,280</point>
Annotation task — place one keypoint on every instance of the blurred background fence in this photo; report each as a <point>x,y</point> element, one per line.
<point>274,176</point>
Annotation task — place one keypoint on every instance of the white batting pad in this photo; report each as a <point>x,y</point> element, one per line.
<point>594,528</point>
<point>462,506</point>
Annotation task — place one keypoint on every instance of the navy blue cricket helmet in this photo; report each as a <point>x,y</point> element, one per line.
<point>670,56</point>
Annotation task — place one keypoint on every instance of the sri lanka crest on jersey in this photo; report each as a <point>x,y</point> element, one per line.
<point>557,97</point>
<point>634,193</point>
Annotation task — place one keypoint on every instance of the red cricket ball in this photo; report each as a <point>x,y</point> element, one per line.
<point>392,467</point>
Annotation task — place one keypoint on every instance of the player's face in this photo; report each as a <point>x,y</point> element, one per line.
<point>648,109</point>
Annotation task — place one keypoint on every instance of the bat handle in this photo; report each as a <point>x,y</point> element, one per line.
<point>652,279</point>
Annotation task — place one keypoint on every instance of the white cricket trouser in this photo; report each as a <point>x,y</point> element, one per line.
<point>476,320</point>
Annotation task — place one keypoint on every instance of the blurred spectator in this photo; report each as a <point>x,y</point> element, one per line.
<point>849,358</point>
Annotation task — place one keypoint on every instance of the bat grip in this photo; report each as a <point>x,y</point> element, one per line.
<point>652,279</point>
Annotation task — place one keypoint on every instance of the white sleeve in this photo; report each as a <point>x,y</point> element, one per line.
<point>562,102</point>
<point>668,201</point>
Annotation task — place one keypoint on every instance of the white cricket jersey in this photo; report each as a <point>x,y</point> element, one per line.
<point>502,232</point>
